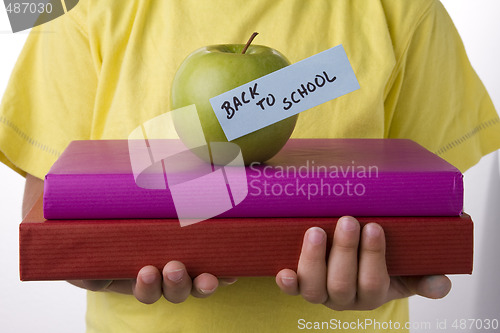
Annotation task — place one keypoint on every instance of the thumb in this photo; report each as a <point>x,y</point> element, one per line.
<point>431,286</point>
<point>96,285</point>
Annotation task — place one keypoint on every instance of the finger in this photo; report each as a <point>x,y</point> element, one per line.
<point>176,282</point>
<point>148,286</point>
<point>435,287</point>
<point>204,285</point>
<point>287,280</point>
<point>343,262</point>
<point>311,271</point>
<point>432,286</point>
<point>373,278</point>
<point>118,286</point>
<point>227,281</point>
<point>95,285</point>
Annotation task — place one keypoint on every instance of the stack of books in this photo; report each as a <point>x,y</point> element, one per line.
<point>105,214</point>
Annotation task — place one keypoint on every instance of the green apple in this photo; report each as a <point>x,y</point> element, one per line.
<point>213,70</point>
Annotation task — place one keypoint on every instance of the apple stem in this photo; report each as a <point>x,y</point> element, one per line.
<point>249,42</point>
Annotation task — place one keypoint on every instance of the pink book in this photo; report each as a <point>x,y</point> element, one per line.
<point>116,179</point>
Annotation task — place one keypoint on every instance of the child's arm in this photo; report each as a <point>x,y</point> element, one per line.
<point>354,276</point>
<point>173,282</point>
<point>32,191</point>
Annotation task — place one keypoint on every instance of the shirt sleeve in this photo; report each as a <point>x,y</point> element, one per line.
<point>50,95</point>
<point>435,96</point>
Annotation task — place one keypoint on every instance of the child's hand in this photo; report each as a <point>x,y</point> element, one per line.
<point>352,279</point>
<point>173,283</point>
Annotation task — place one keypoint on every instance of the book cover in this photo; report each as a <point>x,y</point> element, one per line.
<point>308,177</point>
<point>119,248</point>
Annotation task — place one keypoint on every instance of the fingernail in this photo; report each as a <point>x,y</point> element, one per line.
<point>148,278</point>
<point>437,285</point>
<point>288,281</point>
<point>348,223</point>
<point>175,275</point>
<point>316,236</point>
<point>207,291</point>
<point>373,230</point>
<point>228,281</point>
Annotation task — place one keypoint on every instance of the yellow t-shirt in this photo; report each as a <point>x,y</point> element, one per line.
<point>105,67</point>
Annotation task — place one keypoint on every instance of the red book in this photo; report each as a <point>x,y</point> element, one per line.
<point>106,179</point>
<point>117,249</point>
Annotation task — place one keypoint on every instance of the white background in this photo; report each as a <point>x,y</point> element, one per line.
<point>58,307</point>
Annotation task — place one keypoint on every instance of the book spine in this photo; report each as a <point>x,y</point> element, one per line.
<point>114,249</point>
<point>103,197</point>
<point>269,195</point>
